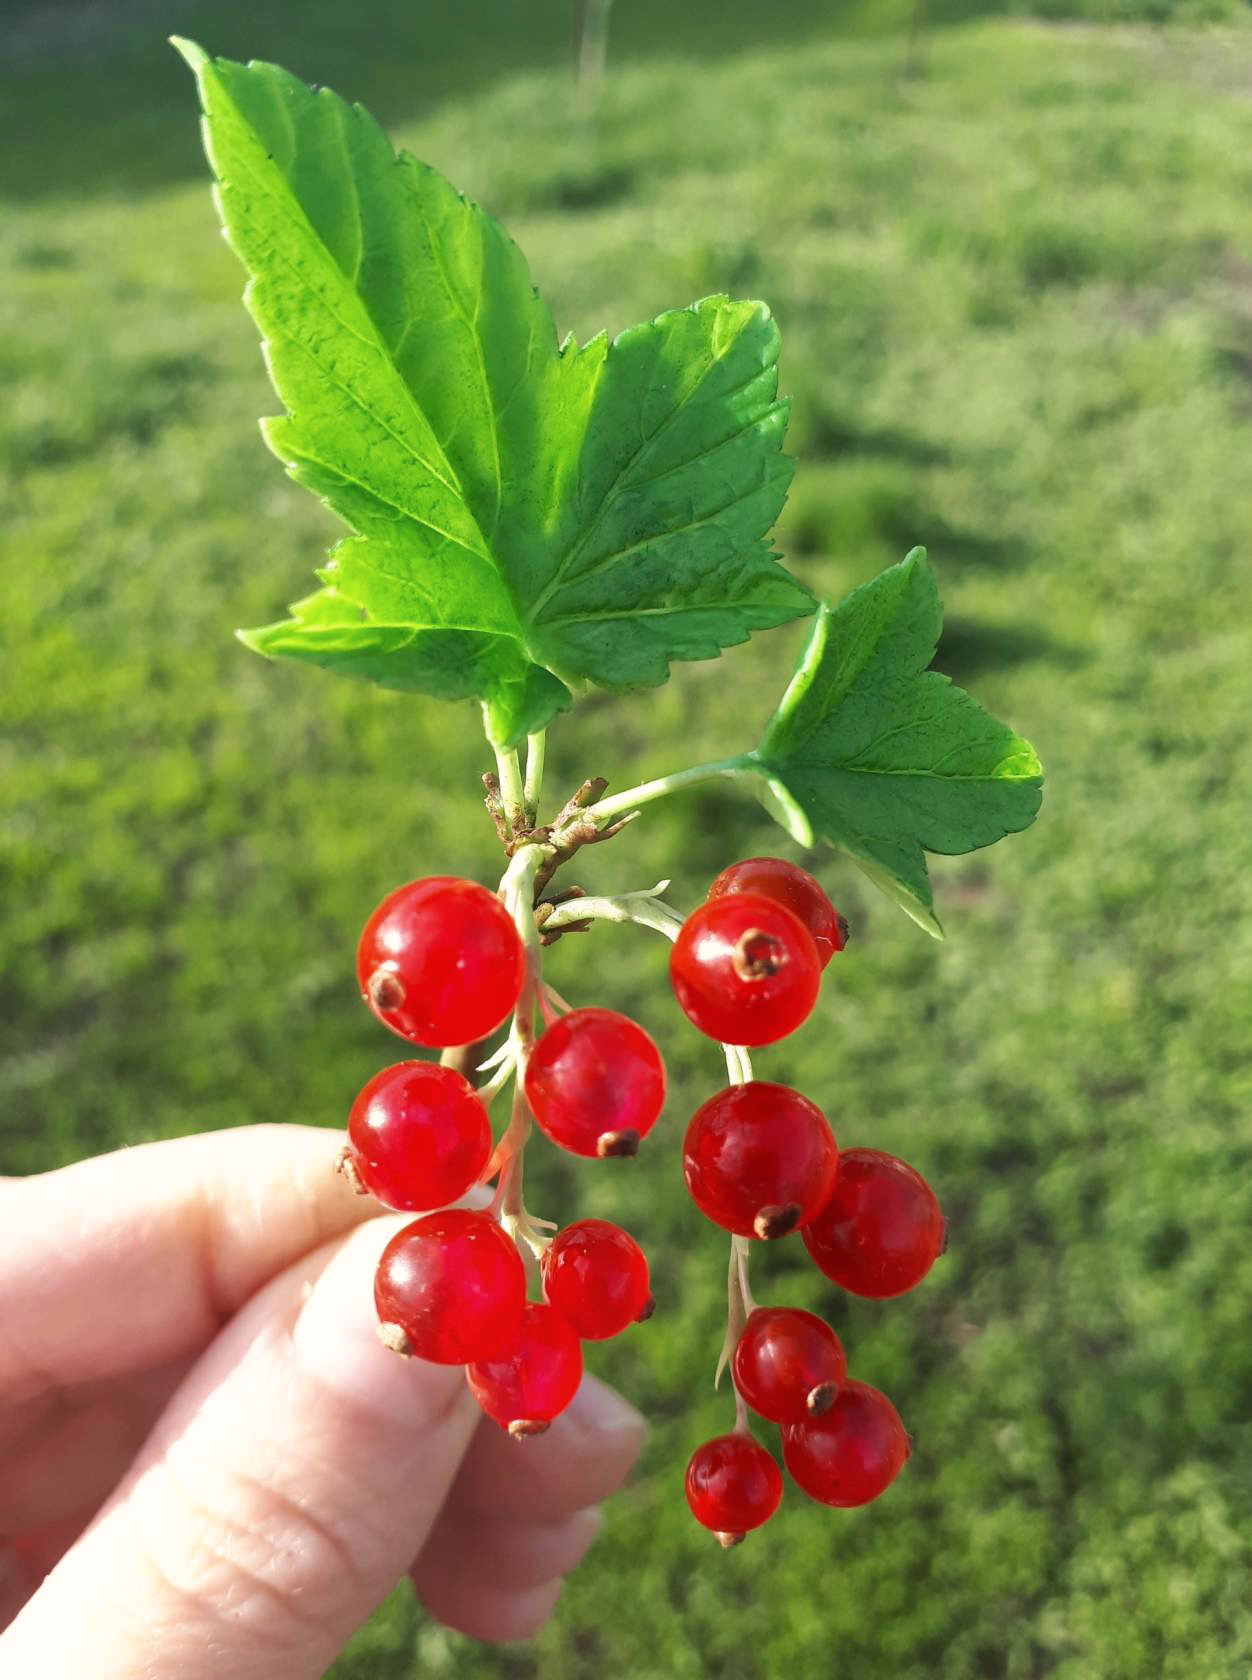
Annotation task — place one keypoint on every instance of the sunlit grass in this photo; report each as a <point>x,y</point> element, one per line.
<point>1016,302</point>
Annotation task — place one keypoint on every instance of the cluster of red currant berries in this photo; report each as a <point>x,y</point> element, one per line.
<point>441,962</point>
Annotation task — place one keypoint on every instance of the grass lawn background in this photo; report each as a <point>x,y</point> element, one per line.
<point>1016,303</point>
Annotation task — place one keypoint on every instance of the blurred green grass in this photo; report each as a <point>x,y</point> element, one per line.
<point>1016,300</point>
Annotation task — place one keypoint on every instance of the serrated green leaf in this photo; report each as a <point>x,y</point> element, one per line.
<point>886,759</point>
<point>525,516</point>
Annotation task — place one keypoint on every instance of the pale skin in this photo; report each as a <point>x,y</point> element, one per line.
<point>209,1465</point>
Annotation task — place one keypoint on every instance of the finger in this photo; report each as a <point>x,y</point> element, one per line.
<point>495,1614</point>
<point>15,1584</point>
<point>75,1448</point>
<point>582,1459</point>
<point>135,1259</point>
<point>506,1553</point>
<point>282,1495</point>
<point>26,1560</point>
<point>521,1514</point>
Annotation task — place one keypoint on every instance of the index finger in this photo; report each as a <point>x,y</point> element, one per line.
<point>135,1259</point>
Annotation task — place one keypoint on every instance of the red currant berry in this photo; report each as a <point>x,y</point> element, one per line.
<point>882,1229</point>
<point>733,1485</point>
<point>538,1377</point>
<point>418,1136</point>
<point>745,970</point>
<point>454,1284</point>
<point>788,1365</point>
<point>596,1277</point>
<point>596,1083</point>
<point>789,885</point>
<point>760,1159</point>
<point>440,962</point>
<point>850,1454</point>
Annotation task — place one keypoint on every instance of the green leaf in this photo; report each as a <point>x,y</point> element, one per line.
<point>877,755</point>
<point>525,516</point>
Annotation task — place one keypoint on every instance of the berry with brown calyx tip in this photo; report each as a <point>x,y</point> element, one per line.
<point>760,1159</point>
<point>788,1365</point>
<point>745,970</point>
<point>789,885</point>
<point>440,962</point>
<point>536,1379</point>
<point>733,1486</point>
<point>453,1284</point>
<point>852,1453</point>
<point>596,1083</point>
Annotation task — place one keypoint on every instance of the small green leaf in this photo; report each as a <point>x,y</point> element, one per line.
<point>886,759</point>
<point>332,632</point>
<point>525,516</point>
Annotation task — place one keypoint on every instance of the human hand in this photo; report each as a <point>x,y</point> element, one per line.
<point>210,1464</point>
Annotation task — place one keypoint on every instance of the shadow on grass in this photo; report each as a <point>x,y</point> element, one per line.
<point>970,647</point>
<point>93,100</point>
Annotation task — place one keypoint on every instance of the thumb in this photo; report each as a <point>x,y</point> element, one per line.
<point>289,1485</point>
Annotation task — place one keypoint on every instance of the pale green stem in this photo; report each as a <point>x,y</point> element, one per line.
<point>618,804</point>
<point>534,773</point>
<point>645,908</point>
<point>517,889</point>
<point>738,1065</point>
<point>742,1250</point>
<point>739,1304</point>
<point>512,791</point>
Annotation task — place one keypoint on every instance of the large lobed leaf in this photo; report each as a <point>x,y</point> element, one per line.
<point>526,516</point>
<point>877,755</point>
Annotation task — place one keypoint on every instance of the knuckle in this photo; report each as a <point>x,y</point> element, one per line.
<point>238,1550</point>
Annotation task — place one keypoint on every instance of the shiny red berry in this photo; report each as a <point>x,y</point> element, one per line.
<point>733,1485</point>
<point>882,1229</point>
<point>451,1287</point>
<point>596,1276</point>
<point>418,1136</point>
<point>760,1159</point>
<point>440,962</point>
<point>596,1083</point>
<point>745,970</point>
<point>538,1377</point>
<point>788,1365</point>
<point>789,885</point>
<point>850,1454</point>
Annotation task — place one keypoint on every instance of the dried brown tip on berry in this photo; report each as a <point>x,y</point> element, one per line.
<point>726,1541</point>
<point>774,1220</point>
<point>520,1428</point>
<point>841,922</point>
<point>395,1339</point>
<point>649,1307</point>
<point>384,989</point>
<point>758,955</point>
<point>617,1143</point>
<point>820,1398</point>
<point>346,1168</point>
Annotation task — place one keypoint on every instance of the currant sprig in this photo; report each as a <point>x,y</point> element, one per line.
<point>527,517</point>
